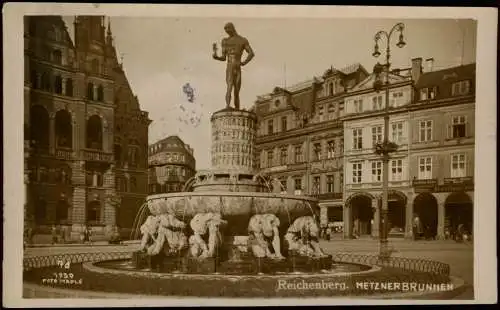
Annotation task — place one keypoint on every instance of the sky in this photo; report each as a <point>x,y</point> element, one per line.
<point>162,54</point>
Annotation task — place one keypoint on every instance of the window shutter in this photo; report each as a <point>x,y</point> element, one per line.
<point>467,129</point>
<point>449,133</point>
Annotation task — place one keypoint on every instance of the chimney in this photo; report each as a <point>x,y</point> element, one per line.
<point>416,68</point>
<point>429,64</point>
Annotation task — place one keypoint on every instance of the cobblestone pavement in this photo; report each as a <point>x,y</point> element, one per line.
<point>459,256</point>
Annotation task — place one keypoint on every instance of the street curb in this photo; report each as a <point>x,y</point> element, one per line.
<point>31,290</point>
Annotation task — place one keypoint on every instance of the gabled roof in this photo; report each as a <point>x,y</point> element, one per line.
<point>352,68</point>
<point>368,82</point>
<point>447,76</point>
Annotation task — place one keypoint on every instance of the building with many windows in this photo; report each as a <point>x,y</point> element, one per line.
<point>442,149</point>
<point>171,164</point>
<point>71,102</point>
<point>300,137</point>
<point>431,173</point>
<point>363,130</point>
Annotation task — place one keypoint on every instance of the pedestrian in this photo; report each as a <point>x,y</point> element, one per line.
<point>54,234</point>
<point>89,232</point>
<point>328,233</point>
<point>460,233</point>
<point>60,235</point>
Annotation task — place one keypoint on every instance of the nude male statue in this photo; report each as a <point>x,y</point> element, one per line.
<point>232,50</point>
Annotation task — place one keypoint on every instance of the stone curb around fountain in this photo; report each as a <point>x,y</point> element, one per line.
<point>90,266</point>
<point>38,291</point>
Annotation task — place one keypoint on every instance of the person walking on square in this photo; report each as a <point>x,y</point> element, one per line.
<point>54,234</point>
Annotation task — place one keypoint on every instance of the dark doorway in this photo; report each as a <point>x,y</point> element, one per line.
<point>459,210</point>
<point>397,213</point>
<point>425,206</point>
<point>362,215</point>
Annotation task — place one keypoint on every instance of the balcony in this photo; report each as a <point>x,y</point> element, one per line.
<point>326,196</point>
<point>424,182</point>
<point>461,180</point>
<point>97,155</point>
<point>64,153</point>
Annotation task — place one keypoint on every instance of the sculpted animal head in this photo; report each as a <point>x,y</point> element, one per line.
<point>170,221</point>
<point>215,222</point>
<point>151,224</point>
<point>201,222</point>
<point>264,223</point>
<point>305,225</point>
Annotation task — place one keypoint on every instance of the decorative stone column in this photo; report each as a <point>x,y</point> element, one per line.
<point>323,216</point>
<point>409,218</point>
<point>79,199</point>
<point>347,222</point>
<point>441,217</point>
<point>376,218</point>
<point>110,202</point>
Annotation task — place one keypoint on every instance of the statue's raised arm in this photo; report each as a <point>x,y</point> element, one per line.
<point>224,51</point>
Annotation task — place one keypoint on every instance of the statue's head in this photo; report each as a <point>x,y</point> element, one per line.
<point>229,28</point>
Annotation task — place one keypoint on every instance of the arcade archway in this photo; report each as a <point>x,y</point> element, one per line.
<point>458,210</point>
<point>396,212</point>
<point>361,214</point>
<point>425,206</point>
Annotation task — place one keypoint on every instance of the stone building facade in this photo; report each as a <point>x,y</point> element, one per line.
<point>300,137</point>
<point>363,129</point>
<point>70,102</point>
<point>171,164</point>
<point>431,173</point>
<point>442,149</point>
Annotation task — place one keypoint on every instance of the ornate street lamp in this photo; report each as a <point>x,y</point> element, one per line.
<point>386,147</point>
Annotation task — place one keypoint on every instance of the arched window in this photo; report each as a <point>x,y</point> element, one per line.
<point>46,81</point>
<point>94,133</point>
<point>132,156</point>
<point>62,212</point>
<point>40,211</point>
<point>58,85</point>
<point>39,127</point>
<point>330,88</point>
<point>64,175</point>
<point>69,87</point>
<point>100,93</point>
<point>64,130</point>
<point>57,56</point>
<point>94,211</point>
<point>90,91</point>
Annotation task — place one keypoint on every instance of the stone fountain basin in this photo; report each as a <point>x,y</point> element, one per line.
<point>235,207</point>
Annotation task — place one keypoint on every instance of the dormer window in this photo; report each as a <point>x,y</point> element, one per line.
<point>428,93</point>
<point>277,103</point>
<point>330,89</point>
<point>460,88</point>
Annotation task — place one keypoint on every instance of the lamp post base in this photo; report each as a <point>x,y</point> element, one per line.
<point>384,251</point>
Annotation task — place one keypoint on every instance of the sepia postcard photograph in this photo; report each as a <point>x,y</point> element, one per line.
<point>196,155</point>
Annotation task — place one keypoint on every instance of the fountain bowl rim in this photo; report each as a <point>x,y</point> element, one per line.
<point>231,194</point>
